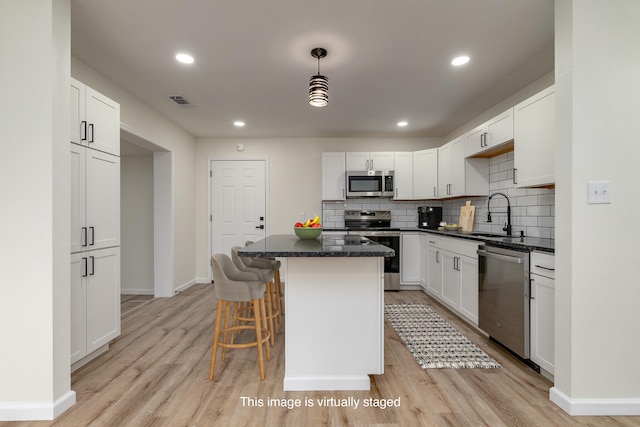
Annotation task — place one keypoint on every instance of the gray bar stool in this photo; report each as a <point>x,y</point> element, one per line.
<point>266,262</point>
<point>234,286</point>
<point>266,275</point>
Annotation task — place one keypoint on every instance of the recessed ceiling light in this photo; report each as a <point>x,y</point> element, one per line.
<point>403,123</point>
<point>238,123</point>
<point>184,58</point>
<point>460,60</point>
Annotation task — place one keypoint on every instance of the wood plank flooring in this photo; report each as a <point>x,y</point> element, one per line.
<point>156,374</point>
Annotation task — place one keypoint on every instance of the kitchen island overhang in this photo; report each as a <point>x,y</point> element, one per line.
<point>334,305</point>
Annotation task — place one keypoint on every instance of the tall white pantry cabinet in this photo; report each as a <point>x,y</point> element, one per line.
<point>95,223</point>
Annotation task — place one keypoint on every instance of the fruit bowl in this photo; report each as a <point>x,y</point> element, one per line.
<point>307,233</point>
<point>452,227</point>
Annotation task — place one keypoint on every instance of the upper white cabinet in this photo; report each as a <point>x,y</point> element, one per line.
<point>490,135</point>
<point>459,176</point>
<point>403,176</point>
<point>95,119</point>
<point>382,161</point>
<point>333,176</point>
<point>425,174</point>
<point>95,199</point>
<point>534,140</point>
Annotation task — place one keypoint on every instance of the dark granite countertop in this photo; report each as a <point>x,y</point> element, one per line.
<point>526,243</point>
<point>288,245</point>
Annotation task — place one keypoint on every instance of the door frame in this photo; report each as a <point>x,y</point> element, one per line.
<point>209,201</point>
<point>163,215</point>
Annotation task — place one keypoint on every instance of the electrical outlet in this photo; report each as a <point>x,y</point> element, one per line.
<point>302,215</point>
<point>599,192</point>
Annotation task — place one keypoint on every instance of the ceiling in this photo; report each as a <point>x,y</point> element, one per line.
<point>387,61</point>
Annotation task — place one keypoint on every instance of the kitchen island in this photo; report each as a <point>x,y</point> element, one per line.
<point>334,305</point>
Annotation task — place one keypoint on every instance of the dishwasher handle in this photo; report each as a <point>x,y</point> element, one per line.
<point>507,258</point>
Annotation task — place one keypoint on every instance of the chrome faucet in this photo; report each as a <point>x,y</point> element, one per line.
<point>507,226</point>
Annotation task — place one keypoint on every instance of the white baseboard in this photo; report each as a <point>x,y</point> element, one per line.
<point>594,407</point>
<point>37,411</point>
<point>136,291</point>
<point>184,286</point>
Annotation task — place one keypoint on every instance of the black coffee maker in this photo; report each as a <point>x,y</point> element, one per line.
<point>429,216</point>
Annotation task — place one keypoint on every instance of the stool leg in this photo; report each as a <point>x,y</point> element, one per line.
<point>278,285</point>
<point>256,310</point>
<point>216,335</point>
<point>263,314</point>
<point>270,312</point>
<point>227,309</point>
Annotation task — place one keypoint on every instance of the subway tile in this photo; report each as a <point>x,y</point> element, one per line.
<point>538,210</point>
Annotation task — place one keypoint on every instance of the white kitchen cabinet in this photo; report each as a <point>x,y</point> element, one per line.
<point>95,300</point>
<point>490,135</point>
<point>444,169</point>
<point>460,176</point>
<point>452,274</point>
<point>363,161</point>
<point>403,176</point>
<point>410,258</point>
<point>542,307</point>
<point>534,140</point>
<point>95,119</point>
<point>434,268</point>
<point>95,199</point>
<point>425,174</point>
<point>333,176</point>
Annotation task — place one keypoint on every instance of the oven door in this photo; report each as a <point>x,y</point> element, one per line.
<point>391,264</point>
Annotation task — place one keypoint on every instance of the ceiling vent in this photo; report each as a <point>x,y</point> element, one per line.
<point>180,100</point>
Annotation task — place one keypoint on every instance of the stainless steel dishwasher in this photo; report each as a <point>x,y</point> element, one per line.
<point>503,280</point>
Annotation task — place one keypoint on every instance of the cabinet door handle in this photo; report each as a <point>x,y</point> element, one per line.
<point>93,265</point>
<point>482,140</point>
<point>371,164</point>
<point>434,191</point>
<point>92,134</point>
<point>83,130</point>
<point>84,237</point>
<point>93,233</point>
<point>84,266</point>
<point>515,175</point>
<point>396,193</point>
<point>545,268</point>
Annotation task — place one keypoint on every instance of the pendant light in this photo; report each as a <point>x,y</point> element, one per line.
<point>318,84</point>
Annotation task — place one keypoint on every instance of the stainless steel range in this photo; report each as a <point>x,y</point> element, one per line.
<point>376,226</point>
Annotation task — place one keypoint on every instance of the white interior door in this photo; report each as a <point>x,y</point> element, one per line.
<point>238,203</point>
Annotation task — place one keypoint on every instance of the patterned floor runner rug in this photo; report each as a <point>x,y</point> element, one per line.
<point>433,341</point>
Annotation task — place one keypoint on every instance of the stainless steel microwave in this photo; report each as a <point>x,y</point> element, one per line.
<point>369,184</point>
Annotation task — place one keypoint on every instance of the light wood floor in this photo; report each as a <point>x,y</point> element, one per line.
<point>156,374</point>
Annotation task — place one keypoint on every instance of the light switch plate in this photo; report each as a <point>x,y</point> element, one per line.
<point>599,192</point>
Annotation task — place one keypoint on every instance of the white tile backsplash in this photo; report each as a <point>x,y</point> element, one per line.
<point>532,209</point>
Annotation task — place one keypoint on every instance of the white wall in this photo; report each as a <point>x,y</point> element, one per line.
<point>35,213</point>
<point>136,240</point>
<point>294,176</point>
<point>138,119</point>
<point>597,278</point>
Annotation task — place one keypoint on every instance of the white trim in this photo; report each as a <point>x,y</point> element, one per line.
<point>185,286</point>
<point>594,407</point>
<point>130,291</point>
<point>37,411</point>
